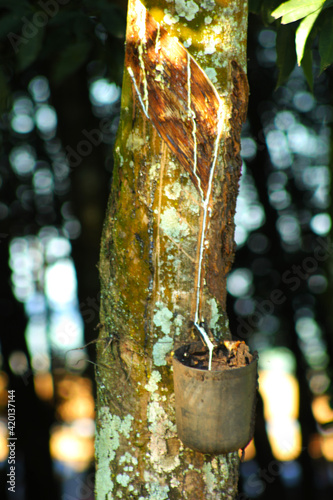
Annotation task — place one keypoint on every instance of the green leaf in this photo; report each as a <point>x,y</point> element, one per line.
<point>326,43</point>
<point>302,33</point>
<point>307,66</point>
<point>70,60</point>
<point>295,9</point>
<point>29,51</point>
<point>286,53</point>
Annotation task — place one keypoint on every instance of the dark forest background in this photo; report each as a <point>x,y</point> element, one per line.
<point>60,84</point>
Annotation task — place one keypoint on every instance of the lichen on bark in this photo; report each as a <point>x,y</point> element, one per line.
<point>150,254</point>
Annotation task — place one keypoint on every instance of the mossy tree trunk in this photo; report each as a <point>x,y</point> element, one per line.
<point>167,244</point>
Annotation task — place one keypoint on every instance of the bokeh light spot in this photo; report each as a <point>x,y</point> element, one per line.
<point>240,282</point>
<point>321,224</point>
<point>102,92</point>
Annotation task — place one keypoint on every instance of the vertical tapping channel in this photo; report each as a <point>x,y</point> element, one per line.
<point>205,206</point>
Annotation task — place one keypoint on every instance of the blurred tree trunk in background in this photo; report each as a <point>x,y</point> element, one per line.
<point>169,226</point>
<point>33,417</point>
<point>89,185</point>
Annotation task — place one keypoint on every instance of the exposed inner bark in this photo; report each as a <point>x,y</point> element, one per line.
<point>175,94</point>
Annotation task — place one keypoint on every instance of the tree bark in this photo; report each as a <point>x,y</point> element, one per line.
<point>167,243</point>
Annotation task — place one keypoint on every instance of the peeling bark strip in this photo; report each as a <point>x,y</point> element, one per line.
<point>175,94</point>
<point>222,225</point>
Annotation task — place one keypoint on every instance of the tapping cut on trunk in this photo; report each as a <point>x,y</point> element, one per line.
<point>179,99</point>
<point>175,94</point>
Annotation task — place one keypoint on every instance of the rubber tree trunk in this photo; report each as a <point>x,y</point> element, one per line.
<point>167,243</point>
